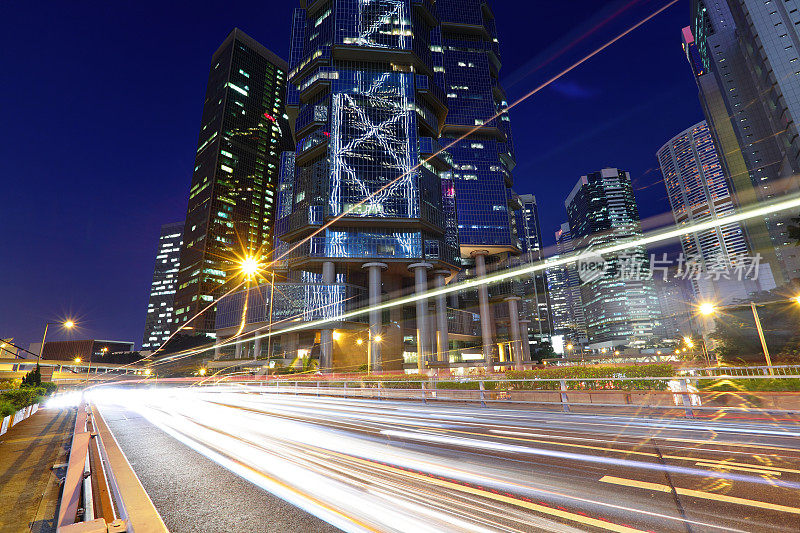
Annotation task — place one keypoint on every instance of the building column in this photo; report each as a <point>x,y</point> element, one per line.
<point>526,343</point>
<point>487,339</point>
<point>513,328</point>
<point>217,348</point>
<point>442,340</point>
<point>326,335</point>
<point>256,346</point>
<point>420,271</point>
<point>374,347</point>
<point>238,352</point>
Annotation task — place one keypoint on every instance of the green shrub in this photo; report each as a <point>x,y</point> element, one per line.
<point>749,385</point>
<point>592,377</point>
<point>23,397</point>
<point>6,409</point>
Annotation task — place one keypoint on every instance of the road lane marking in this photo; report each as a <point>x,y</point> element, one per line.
<point>730,466</point>
<point>699,494</point>
<point>610,526</point>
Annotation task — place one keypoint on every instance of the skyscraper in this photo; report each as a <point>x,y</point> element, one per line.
<point>368,111</point>
<point>619,301</point>
<point>744,55</point>
<point>698,191</point>
<point>536,301</point>
<point>565,293</point>
<point>244,130</point>
<point>159,320</point>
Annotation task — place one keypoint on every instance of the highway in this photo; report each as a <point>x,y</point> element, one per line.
<point>234,459</point>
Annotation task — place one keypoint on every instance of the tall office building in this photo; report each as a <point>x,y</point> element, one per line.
<point>744,55</point>
<point>619,301</point>
<point>483,161</point>
<point>368,111</point>
<point>232,198</point>
<point>536,301</point>
<point>158,323</point>
<point>565,293</point>
<point>698,191</point>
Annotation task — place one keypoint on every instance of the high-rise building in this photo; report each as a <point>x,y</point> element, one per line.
<point>368,111</point>
<point>619,300</point>
<point>744,56</point>
<point>159,320</point>
<point>483,160</point>
<point>698,191</point>
<point>244,130</point>
<point>536,300</point>
<point>565,293</point>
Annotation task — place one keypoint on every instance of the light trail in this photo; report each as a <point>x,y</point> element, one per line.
<point>655,237</point>
<point>351,464</point>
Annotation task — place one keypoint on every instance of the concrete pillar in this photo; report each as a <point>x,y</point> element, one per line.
<point>526,343</point>
<point>420,271</point>
<point>442,340</point>
<point>326,335</point>
<point>238,352</point>
<point>487,339</point>
<point>513,329</point>
<point>217,348</point>
<point>256,346</point>
<point>374,275</point>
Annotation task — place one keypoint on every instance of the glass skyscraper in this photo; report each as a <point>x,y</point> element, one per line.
<point>158,323</point>
<point>619,301</point>
<point>745,56</point>
<point>484,160</point>
<point>367,109</point>
<point>536,300</point>
<point>244,130</point>
<point>698,191</point>
<point>564,289</point>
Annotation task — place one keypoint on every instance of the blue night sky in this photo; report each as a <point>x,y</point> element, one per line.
<point>101,108</point>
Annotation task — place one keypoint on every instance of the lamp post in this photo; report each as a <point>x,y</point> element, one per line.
<point>269,331</point>
<point>67,324</point>
<point>708,309</point>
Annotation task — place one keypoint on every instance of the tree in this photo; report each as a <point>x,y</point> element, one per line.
<point>735,329</point>
<point>793,230</point>
<point>33,378</point>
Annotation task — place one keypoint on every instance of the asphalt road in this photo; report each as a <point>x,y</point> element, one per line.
<point>233,459</point>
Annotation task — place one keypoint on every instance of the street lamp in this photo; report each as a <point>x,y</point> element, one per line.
<point>77,359</point>
<point>202,372</point>
<point>67,324</point>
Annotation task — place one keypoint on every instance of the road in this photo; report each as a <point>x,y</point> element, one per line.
<point>214,459</point>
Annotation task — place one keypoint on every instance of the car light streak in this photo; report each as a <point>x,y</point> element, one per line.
<point>373,466</point>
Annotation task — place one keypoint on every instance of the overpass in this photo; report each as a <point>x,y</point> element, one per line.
<point>69,372</point>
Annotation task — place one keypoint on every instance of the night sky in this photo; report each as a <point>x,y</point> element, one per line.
<point>101,106</point>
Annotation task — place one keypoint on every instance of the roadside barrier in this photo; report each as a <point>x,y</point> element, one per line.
<point>655,394</point>
<point>12,420</point>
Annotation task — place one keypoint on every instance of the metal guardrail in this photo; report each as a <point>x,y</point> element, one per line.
<point>86,503</point>
<point>744,371</point>
<point>677,393</point>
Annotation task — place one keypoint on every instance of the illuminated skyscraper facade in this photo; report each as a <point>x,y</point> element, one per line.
<point>619,301</point>
<point>564,289</point>
<point>536,300</point>
<point>367,111</point>
<point>745,56</point>
<point>244,130</point>
<point>158,323</point>
<point>698,191</point>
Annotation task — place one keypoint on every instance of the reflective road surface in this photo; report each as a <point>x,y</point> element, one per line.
<point>232,459</point>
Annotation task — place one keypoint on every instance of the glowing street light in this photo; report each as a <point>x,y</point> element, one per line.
<point>67,324</point>
<point>688,342</point>
<point>359,341</point>
<point>147,372</point>
<point>707,308</point>
<point>337,335</point>
<point>569,347</point>
<point>202,371</point>
<point>77,359</point>
<point>249,266</point>
<point>378,338</point>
